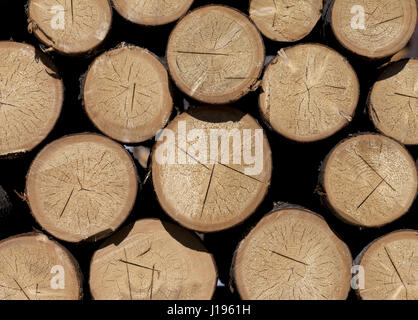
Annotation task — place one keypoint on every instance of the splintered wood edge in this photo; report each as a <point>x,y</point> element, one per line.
<point>394,81</point>
<point>245,86</point>
<point>185,240</point>
<point>368,51</point>
<point>76,276</point>
<point>324,172</point>
<point>262,11</point>
<point>46,223</point>
<point>268,219</point>
<point>264,107</point>
<point>50,123</point>
<point>43,33</point>
<point>119,131</point>
<point>176,213</point>
<point>125,10</point>
<point>366,256</point>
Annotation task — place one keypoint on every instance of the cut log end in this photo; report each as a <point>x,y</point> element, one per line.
<point>285,22</point>
<point>373,29</point>
<point>36,268</point>
<point>70,27</point>
<point>152,13</point>
<point>215,54</point>
<point>126,94</point>
<point>292,254</point>
<point>81,187</point>
<point>152,260</point>
<point>309,92</point>
<point>204,192</point>
<point>31,96</point>
<point>370,180</point>
<point>393,105</point>
<point>390,267</point>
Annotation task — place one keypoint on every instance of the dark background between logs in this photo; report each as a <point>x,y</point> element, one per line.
<point>295,173</point>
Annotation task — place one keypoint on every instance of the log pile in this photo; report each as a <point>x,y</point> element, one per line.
<point>190,150</point>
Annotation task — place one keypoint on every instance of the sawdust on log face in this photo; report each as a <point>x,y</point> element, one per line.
<point>70,26</point>
<point>81,186</point>
<point>152,12</point>
<point>285,21</point>
<point>211,196</point>
<point>31,95</point>
<point>26,262</point>
<point>215,54</point>
<point>370,180</point>
<point>388,26</point>
<point>292,255</point>
<point>394,102</point>
<point>309,92</point>
<point>153,260</point>
<point>391,267</point>
<point>126,94</point>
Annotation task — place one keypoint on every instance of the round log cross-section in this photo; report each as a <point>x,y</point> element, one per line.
<point>309,92</point>
<point>292,254</point>
<point>152,260</point>
<point>31,97</point>
<point>373,29</point>
<point>72,27</point>
<point>36,268</point>
<point>152,13</point>
<point>211,168</point>
<point>126,94</point>
<point>393,104</point>
<point>369,180</point>
<point>285,21</point>
<point>390,267</point>
<point>82,187</point>
<point>215,54</point>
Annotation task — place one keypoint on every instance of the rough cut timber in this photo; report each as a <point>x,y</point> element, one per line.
<point>369,180</point>
<point>81,187</point>
<point>31,96</point>
<point>36,268</point>
<point>292,254</point>
<point>211,195</point>
<point>373,29</point>
<point>152,260</point>
<point>215,54</point>
<point>393,103</point>
<point>126,94</point>
<point>152,13</point>
<point>309,92</point>
<point>390,267</point>
<point>71,27</point>
<point>285,21</point>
